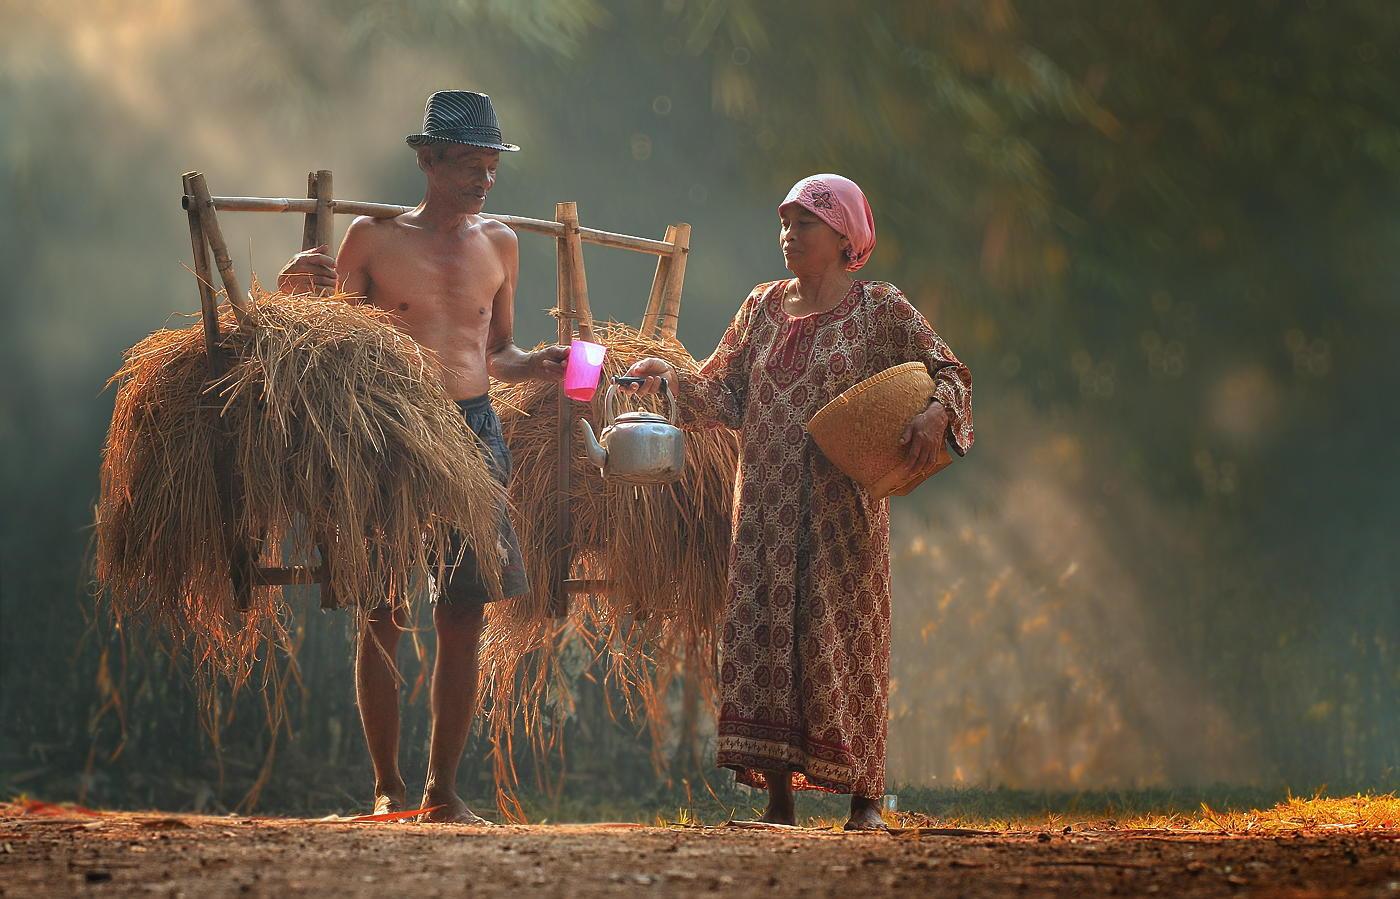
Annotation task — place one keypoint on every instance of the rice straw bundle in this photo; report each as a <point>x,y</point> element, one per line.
<point>341,433</point>
<point>663,549</point>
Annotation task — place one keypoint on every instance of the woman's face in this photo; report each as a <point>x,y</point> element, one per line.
<point>810,246</point>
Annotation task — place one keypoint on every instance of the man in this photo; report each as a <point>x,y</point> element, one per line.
<point>447,275</point>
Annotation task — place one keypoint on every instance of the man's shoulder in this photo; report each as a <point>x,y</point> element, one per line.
<point>497,230</point>
<point>367,227</point>
<point>500,236</point>
<point>373,235</point>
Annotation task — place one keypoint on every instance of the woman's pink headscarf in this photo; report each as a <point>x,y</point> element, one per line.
<point>840,203</point>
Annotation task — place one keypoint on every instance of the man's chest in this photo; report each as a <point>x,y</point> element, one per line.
<point>459,271</point>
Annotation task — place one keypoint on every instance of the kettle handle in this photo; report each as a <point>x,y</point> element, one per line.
<point>610,409</point>
<point>610,406</point>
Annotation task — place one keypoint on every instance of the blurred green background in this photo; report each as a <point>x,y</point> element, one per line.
<point>1164,235</point>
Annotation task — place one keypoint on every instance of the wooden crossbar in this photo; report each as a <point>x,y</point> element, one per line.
<point>386,210</point>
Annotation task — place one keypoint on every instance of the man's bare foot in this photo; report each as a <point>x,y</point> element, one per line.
<point>450,810</point>
<point>865,815</point>
<point>390,798</point>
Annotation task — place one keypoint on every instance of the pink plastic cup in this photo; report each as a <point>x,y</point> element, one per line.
<point>583,370</point>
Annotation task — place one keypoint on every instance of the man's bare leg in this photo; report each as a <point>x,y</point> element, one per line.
<point>781,808</point>
<point>865,814</point>
<point>377,694</point>
<point>454,702</point>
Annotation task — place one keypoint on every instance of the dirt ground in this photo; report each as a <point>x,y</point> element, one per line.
<point>74,851</point>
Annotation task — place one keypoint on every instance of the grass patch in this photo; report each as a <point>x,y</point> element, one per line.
<point>1217,809</point>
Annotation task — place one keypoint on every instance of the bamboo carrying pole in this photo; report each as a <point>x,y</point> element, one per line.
<point>386,210</point>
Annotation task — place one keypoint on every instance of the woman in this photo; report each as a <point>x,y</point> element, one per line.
<point>804,655</point>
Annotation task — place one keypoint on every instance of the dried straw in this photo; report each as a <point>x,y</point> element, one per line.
<point>340,432</point>
<point>664,550</point>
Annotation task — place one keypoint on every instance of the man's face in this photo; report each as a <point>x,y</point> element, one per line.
<point>466,172</point>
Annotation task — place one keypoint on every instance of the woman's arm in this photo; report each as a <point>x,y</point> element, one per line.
<point>910,338</point>
<point>717,394</point>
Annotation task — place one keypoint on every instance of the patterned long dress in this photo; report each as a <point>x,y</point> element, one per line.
<point>805,650</point>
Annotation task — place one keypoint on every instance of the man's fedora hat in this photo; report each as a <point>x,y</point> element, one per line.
<point>461,117</point>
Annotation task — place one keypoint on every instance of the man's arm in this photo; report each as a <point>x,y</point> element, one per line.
<point>316,270</point>
<point>352,264</point>
<point>504,360</point>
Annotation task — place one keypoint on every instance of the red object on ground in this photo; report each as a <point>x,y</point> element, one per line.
<point>53,810</point>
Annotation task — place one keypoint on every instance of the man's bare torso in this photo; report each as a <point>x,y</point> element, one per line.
<point>442,287</point>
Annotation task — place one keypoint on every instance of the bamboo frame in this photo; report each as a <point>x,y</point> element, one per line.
<point>572,246</point>
<point>318,230</point>
<point>664,302</point>
<point>209,223</point>
<point>205,235</point>
<point>320,208</point>
<point>325,218</point>
<point>561,539</point>
<point>658,286</point>
<point>308,228</point>
<point>207,303</point>
<point>670,314</point>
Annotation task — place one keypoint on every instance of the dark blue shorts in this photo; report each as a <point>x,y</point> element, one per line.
<point>463,584</point>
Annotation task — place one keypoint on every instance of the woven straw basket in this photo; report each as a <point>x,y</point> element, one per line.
<point>859,431</point>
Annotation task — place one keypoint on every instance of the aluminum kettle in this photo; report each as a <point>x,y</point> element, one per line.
<point>636,447</point>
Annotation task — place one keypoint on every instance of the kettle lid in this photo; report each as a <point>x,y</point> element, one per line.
<point>640,416</point>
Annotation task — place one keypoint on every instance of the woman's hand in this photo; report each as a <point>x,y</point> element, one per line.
<point>923,437</point>
<point>653,370</point>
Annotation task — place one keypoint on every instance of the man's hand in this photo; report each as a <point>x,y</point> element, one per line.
<point>922,439</point>
<point>308,272</point>
<point>547,362</point>
<point>653,370</point>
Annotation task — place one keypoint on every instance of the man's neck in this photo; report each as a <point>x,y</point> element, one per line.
<point>440,214</point>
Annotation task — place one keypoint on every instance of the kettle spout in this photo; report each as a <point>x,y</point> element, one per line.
<point>596,454</point>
